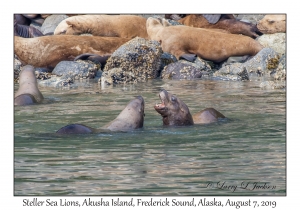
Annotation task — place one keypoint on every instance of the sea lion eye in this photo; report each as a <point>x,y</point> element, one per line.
<point>173,98</point>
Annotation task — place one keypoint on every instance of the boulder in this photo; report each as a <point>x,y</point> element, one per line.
<point>276,41</point>
<point>139,56</point>
<point>51,22</point>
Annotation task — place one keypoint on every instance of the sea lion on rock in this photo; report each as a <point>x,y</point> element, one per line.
<point>272,24</point>
<point>20,19</point>
<point>97,59</point>
<point>210,45</point>
<point>225,22</point>
<point>28,92</point>
<point>176,113</point>
<point>132,117</point>
<point>125,26</point>
<point>26,31</point>
<point>47,51</point>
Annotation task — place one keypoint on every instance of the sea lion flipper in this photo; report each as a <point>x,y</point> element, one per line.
<point>189,57</point>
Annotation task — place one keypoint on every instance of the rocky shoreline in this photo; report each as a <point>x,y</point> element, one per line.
<point>140,59</point>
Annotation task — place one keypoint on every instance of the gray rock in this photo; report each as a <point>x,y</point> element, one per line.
<point>181,70</point>
<point>140,56</point>
<point>37,26</point>
<point>166,59</point>
<point>269,85</point>
<point>263,62</point>
<point>280,72</point>
<point>76,69</point>
<point>250,18</point>
<point>56,81</point>
<point>116,76</point>
<point>17,68</point>
<point>275,41</point>
<point>51,22</point>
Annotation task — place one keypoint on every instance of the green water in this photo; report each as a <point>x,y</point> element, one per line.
<point>248,147</point>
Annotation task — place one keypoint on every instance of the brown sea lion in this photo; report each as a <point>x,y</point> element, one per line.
<point>206,44</point>
<point>28,92</point>
<point>224,21</point>
<point>47,51</point>
<point>175,112</point>
<point>125,26</point>
<point>132,117</point>
<point>271,24</point>
<point>208,115</point>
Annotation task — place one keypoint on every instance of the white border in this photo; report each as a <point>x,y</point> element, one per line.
<point>8,201</point>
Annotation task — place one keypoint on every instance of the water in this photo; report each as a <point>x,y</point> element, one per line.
<point>216,159</point>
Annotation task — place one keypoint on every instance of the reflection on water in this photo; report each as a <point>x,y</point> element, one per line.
<point>248,147</point>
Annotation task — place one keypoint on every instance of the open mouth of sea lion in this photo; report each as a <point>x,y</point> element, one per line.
<point>161,107</point>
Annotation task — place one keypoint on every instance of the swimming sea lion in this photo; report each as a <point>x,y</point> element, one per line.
<point>175,112</point>
<point>47,51</point>
<point>28,92</point>
<point>125,26</point>
<point>206,44</point>
<point>132,117</point>
<point>208,115</point>
<point>225,22</point>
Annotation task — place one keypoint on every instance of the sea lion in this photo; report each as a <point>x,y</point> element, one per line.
<point>225,22</point>
<point>26,31</point>
<point>271,24</point>
<point>28,92</point>
<point>94,58</point>
<point>132,117</point>
<point>208,115</point>
<point>47,51</point>
<point>206,44</point>
<point>176,113</point>
<point>125,26</point>
<point>20,19</point>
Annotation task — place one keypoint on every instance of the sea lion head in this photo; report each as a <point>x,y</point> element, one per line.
<point>153,25</point>
<point>132,116</point>
<point>28,84</point>
<point>173,110</point>
<point>62,28</point>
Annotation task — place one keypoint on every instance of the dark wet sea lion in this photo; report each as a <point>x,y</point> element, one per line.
<point>48,51</point>
<point>225,22</point>
<point>26,31</point>
<point>205,43</point>
<point>75,129</point>
<point>28,92</point>
<point>20,19</point>
<point>94,58</point>
<point>132,117</point>
<point>175,112</point>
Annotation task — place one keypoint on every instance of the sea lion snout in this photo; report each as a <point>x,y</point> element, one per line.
<point>173,110</point>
